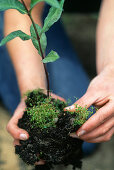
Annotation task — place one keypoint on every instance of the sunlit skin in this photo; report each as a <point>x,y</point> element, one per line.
<point>30,74</point>
<point>100,127</point>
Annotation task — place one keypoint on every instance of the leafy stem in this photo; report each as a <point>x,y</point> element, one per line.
<point>38,36</point>
<point>41,51</point>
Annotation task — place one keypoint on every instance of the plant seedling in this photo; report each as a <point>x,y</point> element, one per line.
<point>44,118</point>
<point>38,35</point>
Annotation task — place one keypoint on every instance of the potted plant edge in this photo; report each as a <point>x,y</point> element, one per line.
<point>44,118</point>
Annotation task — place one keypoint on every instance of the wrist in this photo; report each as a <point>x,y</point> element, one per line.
<point>31,83</point>
<point>107,69</point>
<point>104,66</point>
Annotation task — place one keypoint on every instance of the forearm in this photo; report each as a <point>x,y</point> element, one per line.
<point>26,60</point>
<point>105,36</point>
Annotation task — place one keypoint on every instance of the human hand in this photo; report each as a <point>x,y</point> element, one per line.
<point>100,93</point>
<point>15,131</point>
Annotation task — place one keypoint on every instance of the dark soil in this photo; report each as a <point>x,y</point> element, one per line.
<point>52,144</point>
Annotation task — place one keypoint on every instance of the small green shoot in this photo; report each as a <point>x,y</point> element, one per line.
<point>37,36</point>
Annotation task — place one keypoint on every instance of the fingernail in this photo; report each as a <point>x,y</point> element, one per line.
<point>73,135</point>
<point>82,132</point>
<point>23,136</point>
<point>70,107</point>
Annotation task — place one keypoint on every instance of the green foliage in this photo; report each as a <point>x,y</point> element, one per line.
<point>45,112</point>
<point>43,39</point>
<point>43,115</point>
<point>53,3</point>
<point>12,4</point>
<point>51,57</point>
<point>13,35</point>
<point>35,92</point>
<point>53,16</point>
<point>81,115</point>
<point>37,95</point>
<point>38,36</point>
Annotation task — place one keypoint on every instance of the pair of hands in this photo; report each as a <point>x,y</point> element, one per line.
<point>99,127</point>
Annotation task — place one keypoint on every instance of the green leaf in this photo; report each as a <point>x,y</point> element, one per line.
<point>13,35</point>
<point>43,39</point>
<point>51,57</point>
<point>53,16</point>
<point>12,4</point>
<point>53,3</point>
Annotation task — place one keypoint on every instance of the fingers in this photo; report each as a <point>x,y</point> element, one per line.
<point>99,131</point>
<point>19,111</point>
<point>12,127</point>
<point>104,138</point>
<point>41,162</point>
<point>97,119</point>
<point>16,132</point>
<point>86,100</point>
<point>16,142</point>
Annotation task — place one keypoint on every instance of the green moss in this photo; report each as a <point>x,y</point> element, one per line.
<point>44,112</point>
<point>81,115</point>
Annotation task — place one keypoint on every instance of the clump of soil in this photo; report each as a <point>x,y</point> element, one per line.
<point>50,142</point>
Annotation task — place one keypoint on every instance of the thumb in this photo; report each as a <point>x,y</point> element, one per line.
<point>86,100</point>
<point>16,132</point>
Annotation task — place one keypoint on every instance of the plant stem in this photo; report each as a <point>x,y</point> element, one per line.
<point>38,39</point>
